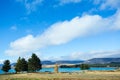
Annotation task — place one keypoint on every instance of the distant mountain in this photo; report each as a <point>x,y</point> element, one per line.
<point>90,61</point>
<point>1,66</point>
<point>13,64</point>
<point>102,60</point>
<point>69,61</point>
<point>47,62</point>
<point>62,62</point>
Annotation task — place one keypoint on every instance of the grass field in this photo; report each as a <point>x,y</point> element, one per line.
<point>94,75</point>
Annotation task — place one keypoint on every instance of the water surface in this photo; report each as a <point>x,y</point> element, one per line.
<point>66,69</point>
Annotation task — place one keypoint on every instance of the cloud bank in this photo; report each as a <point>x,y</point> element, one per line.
<point>93,54</point>
<point>64,32</point>
<point>86,55</point>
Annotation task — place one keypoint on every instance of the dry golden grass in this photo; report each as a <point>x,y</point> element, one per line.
<point>89,75</point>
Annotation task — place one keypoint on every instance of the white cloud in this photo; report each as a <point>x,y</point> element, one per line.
<point>30,5</point>
<point>93,54</point>
<point>22,45</point>
<point>1,61</point>
<point>13,28</point>
<point>105,4</point>
<point>116,21</point>
<point>111,4</point>
<point>63,32</point>
<point>62,2</point>
<point>85,55</point>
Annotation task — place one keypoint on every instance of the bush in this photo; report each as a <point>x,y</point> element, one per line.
<point>84,66</point>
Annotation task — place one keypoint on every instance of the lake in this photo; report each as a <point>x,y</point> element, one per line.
<point>76,69</point>
<point>65,69</point>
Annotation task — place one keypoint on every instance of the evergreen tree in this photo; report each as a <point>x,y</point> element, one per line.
<point>18,65</point>
<point>24,65</point>
<point>34,63</point>
<point>84,66</point>
<point>6,67</point>
<point>21,65</point>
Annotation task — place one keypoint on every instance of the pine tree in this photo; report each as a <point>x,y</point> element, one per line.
<point>18,65</point>
<point>6,67</point>
<point>21,65</point>
<point>24,65</point>
<point>34,63</point>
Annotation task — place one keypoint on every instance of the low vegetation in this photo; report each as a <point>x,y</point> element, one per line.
<point>95,75</point>
<point>84,67</point>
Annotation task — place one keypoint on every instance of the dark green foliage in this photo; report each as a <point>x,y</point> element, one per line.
<point>18,65</point>
<point>114,64</point>
<point>98,65</point>
<point>84,66</point>
<point>34,63</point>
<point>24,66</point>
<point>21,65</point>
<point>70,66</point>
<point>6,67</point>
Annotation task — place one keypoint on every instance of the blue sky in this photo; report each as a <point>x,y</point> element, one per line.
<point>59,29</point>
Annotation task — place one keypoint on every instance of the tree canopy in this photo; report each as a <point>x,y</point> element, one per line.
<point>34,63</point>
<point>6,67</point>
<point>21,65</point>
<point>24,66</point>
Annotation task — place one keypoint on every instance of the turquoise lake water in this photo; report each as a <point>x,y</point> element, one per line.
<point>65,69</point>
<point>75,69</point>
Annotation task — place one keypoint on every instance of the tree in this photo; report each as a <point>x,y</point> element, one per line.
<point>34,63</point>
<point>24,66</point>
<point>18,65</point>
<point>21,65</point>
<point>84,66</point>
<point>6,67</point>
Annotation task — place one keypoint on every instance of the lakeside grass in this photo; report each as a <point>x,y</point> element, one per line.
<point>89,75</point>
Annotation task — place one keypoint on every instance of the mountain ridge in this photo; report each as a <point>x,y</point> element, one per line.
<point>102,60</point>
